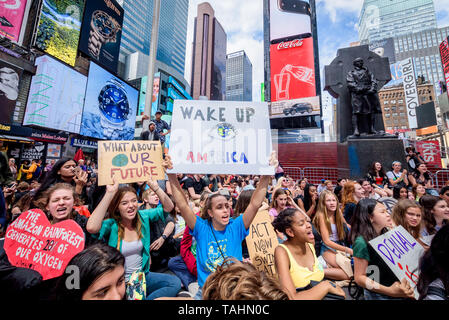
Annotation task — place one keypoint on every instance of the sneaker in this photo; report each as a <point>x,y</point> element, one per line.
<point>193,288</point>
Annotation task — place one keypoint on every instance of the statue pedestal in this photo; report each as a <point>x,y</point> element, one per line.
<point>358,155</point>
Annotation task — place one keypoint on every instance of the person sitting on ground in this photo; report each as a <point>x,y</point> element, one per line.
<point>163,246</point>
<point>101,270</point>
<point>310,202</point>
<point>418,191</point>
<point>433,283</point>
<point>435,216</point>
<point>65,170</point>
<point>235,280</point>
<point>397,176</point>
<point>352,193</point>
<point>321,186</point>
<point>400,193</point>
<point>370,192</point>
<point>22,189</point>
<point>128,229</point>
<point>216,234</point>
<point>279,203</point>
<point>376,176</point>
<point>371,219</point>
<point>422,176</point>
<point>408,214</point>
<point>298,192</point>
<point>333,228</point>
<point>338,189</point>
<point>329,185</point>
<point>295,259</point>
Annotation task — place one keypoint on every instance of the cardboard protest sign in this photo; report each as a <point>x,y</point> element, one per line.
<point>401,252</point>
<point>32,242</point>
<point>129,161</point>
<point>220,137</point>
<point>261,242</point>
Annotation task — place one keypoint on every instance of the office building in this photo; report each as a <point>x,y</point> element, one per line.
<point>136,33</point>
<point>382,19</point>
<point>239,77</point>
<point>209,56</point>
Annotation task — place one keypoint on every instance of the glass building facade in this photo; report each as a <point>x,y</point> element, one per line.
<point>218,88</point>
<point>137,24</point>
<point>381,19</point>
<point>239,77</point>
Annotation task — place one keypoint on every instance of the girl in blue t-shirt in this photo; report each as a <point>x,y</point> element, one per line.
<point>217,235</point>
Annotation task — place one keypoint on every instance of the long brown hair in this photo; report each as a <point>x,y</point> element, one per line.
<point>208,206</point>
<point>322,212</point>
<point>114,212</point>
<point>276,194</point>
<point>243,202</point>
<point>398,215</point>
<point>347,195</point>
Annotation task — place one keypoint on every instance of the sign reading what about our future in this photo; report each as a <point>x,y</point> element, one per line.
<point>32,242</point>
<point>220,137</point>
<point>129,161</point>
<point>401,252</point>
<point>261,242</point>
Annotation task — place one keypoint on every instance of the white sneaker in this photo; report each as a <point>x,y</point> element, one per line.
<point>193,288</point>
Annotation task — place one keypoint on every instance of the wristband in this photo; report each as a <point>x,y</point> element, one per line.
<point>164,237</point>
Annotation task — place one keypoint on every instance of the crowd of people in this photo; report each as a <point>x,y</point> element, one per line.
<point>184,237</point>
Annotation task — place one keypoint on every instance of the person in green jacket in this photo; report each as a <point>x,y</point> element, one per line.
<point>128,230</point>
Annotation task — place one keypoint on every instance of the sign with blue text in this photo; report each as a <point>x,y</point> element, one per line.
<point>401,252</point>
<point>220,137</point>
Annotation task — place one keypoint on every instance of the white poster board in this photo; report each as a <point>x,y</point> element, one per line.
<point>401,252</point>
<point>220,137</point>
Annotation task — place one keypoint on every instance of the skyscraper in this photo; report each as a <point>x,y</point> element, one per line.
<point>209,55</point>
<point>381,19</point>
<point>137,24</point>
<point>239,77</point>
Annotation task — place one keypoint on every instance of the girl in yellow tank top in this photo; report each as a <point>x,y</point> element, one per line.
<point>295,260</point>
<point>302,276</point>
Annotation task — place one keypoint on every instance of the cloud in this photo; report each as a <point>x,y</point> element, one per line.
<point>243,24</point>
<point>335,8</point>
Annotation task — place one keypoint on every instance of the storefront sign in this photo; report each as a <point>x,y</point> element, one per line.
<point>39,135</point>
<point>84,143</point>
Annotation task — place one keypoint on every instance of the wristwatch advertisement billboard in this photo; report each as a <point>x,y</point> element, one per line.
<point>110,106</point>
<point>59,29</point>
<point>102,31</point>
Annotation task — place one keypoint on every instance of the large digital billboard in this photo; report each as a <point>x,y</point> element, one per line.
<point>384,48</point>
<point>11,18</point>
<point>9,91</point>
<point>289,20</point>
<point>444,53</point>
<point>59,28</point>
<point>110,106</point>
<point>102,31</point>
<point>292,70</point>
<point>293,108</point>
<point>56,97</point>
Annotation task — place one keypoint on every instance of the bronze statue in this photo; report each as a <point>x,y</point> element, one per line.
<point>365,102</point>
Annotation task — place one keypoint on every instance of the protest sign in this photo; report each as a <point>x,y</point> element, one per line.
<point>401,252</point>
<point>220,137</point>
<point>261,242</point>
<point>32,242</point>
<point>129,161</point>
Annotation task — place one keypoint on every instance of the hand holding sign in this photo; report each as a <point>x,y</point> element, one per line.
<point>402,290</point>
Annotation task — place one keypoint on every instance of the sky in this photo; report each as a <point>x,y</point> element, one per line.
<point>242,20</point>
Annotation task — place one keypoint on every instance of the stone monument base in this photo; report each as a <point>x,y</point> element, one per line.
<point>358,154</point>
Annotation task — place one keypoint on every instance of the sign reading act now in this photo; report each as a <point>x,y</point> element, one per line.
<point>129,161</point>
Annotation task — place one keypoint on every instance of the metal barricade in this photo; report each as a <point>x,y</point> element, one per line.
<point>441,177</point>
<point>294,172</point>
<point>315,174</point>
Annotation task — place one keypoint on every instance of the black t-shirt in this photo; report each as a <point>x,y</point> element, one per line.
<point>198,186</point>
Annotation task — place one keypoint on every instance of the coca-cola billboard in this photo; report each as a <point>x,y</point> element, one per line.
<point>292,70</point>
<point>430,151</point>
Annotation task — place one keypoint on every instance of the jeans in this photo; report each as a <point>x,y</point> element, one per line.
<point>161,285</point>
<point>369,295</point>
<point>199,294</point>
<point>178,267</point>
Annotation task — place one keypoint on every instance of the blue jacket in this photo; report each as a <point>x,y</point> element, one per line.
<point>109,232</point>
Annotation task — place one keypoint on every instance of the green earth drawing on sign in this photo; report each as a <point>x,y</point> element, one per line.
<point>120,160</point>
